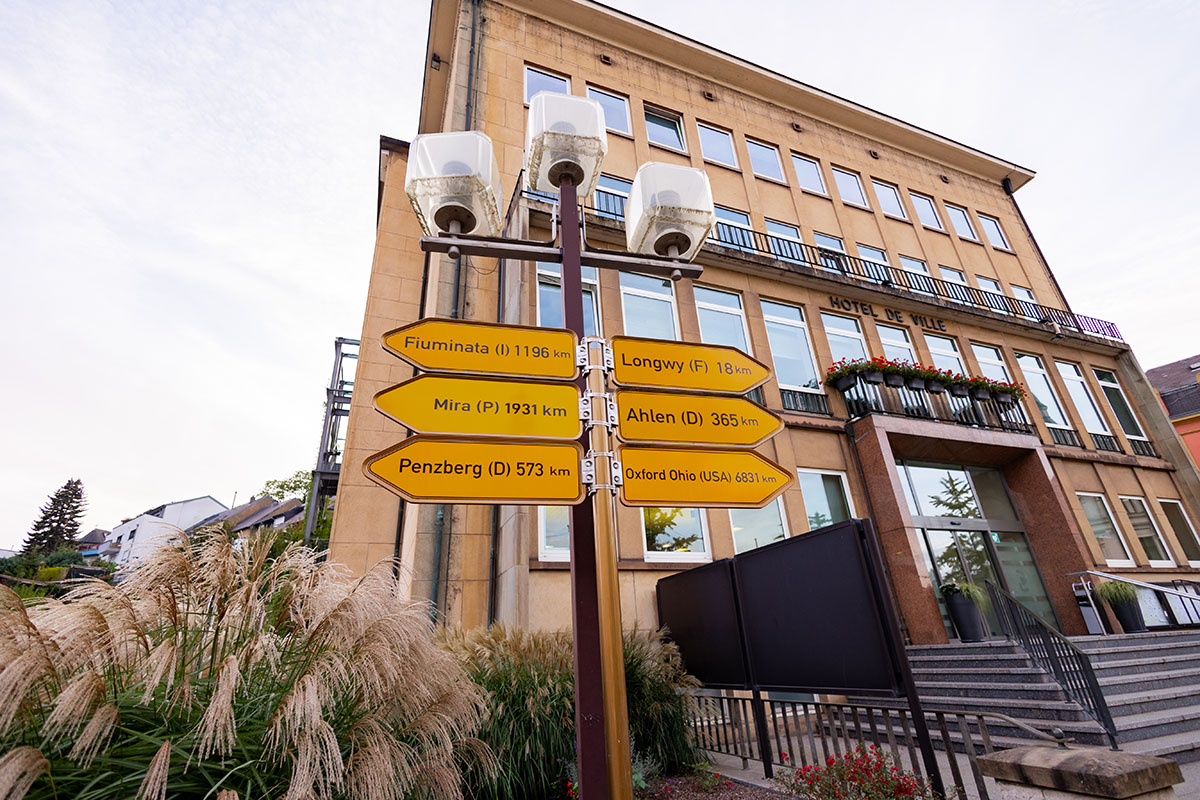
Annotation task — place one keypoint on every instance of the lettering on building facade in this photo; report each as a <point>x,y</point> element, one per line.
<point>889,314</point>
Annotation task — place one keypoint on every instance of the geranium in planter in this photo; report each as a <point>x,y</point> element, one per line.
<point>937,379</point>
<point>965,602</point>
<point>844,374</point>
<point>958,390</point>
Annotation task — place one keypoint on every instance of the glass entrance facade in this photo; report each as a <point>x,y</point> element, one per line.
<point>972,533</point>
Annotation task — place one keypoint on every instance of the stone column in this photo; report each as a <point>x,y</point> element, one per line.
<point>1060,773</point>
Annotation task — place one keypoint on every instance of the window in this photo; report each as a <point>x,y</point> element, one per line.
<point>961,222</point>
<point>889,199</point>
<point>554,533</point>
<point>1147,532</point>
<point>1037,380</point>
<point>1073,378</point>
<point>995,234</point>
<point>916,275</point>
<point>717,145</point>
<point>616,109</point>
<point>875,256</point>
<point>764,160</point>
<point>1027,304</point>
<point>791,350</point>
<point>1095,509</point>
<point>538,80</point>
<point>675,534</point>
<point>664,128</point>
<point>721,318</point>
<point>844,336</point>
<point>1118,403</point>
<point>733,229</point>
<point>957,279</point>
<point>829,248</point>
<point>754,527</point>
<point>996,304</point>
<point>944,351</point>
<point>1185,534</point>
<point>649,306</point>
<point>850,187</point>
<point>896,343</point>
<point>784,241</point>
<point>826,499</point>
<point>808,174</point>
<point>550,305</point>
<point>991,362</point>
<point>926,211</point>
<point>610,196</point>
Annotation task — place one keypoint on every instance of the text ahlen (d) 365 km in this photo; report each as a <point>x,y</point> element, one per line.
<point>691,419</point>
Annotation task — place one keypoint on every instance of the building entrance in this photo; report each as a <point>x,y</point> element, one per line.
<point>972,533</point>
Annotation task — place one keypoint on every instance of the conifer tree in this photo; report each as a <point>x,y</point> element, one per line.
<point>58,524</point>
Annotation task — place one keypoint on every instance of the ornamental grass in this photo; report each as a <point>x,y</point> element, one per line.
<point>218,671</point>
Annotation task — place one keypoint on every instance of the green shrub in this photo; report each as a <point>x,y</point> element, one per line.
<point>19,566</point>
<point>27,592</point>
<point>226,674</point>
<point>50,574</point>
<point>1117,593</point>
<point>63,557</point>
<point>531,721</point>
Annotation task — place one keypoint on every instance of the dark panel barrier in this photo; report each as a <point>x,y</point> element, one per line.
<point>700,609</point>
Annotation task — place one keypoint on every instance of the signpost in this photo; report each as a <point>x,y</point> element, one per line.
<point>483,348</point>
<point>692,420</point>
<point>661,476</point>
<point>661,364</point>
<point>484,407</point>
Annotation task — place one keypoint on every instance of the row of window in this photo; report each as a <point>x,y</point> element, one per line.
<point>681,534</point>
<point>1113,542</point>
<point>665,129</point>
<point>649,310</point>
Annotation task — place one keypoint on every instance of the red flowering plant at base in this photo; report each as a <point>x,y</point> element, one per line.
<point>868,773</point>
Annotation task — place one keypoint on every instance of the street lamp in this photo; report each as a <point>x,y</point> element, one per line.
<point>453,183</point>
<point>564,138</point>
<point>669,211</point>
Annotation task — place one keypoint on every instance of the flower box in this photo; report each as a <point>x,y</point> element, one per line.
<point>893,379</point>
<point>914,383</point>
<point>872,376</point>
<point>980,393</point>
<point>1006,398</point>
<point>844,382</point>
<point>935,387</point>
<point>959,390</point>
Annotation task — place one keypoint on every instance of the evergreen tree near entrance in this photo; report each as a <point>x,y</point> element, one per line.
<point>58,524</point>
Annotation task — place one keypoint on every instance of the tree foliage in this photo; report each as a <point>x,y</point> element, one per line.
<point>58,523</point>
<point>297,486</point>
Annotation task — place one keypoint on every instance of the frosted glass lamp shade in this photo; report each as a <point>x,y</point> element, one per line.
<point>453,178</point>
<point>668,207</point>
<point>564,135</point>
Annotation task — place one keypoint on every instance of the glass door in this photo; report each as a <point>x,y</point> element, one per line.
<point>963,556</point>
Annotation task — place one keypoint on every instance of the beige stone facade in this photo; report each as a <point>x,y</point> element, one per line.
<point>479,563</point>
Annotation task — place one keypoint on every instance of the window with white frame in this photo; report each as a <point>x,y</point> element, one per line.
<point>850,187</point>
<point>764,160</point>
<point>830,250</point>
<point>1078,391</point>
<point>959,290</point>
<point>1028,304</point>
<point>550,303</point>
<point>945,353</point>
<point>785,242</point>
<point>610,196</point>
<point>554,533</point>
<point>665,128</point>
<point>1037,380</point>
<point>648,306</point>
<point>675,534</point>
<point>540,80</point>
<point>791,350</point>
<point>962,222</point>
<point>991,362</point>
<point>721,318</point>
<point>616,109</point>
<point>875,256</point>
<point>717,145</point>
<point>916,275</point>
<point>1184,531</point>
<point>889,199</point>
<point>897,345</point>
<point>844,336</point>
<point>754,527</point>
<point>1104,530</point>
<point>808,173</point>
<point>826,497</point>
<point>926,211</point>
<point>733,229</point>
<point>1119,405</point>
<point>995,234</point>
<point>1146,530</point>
<point>992,285</point>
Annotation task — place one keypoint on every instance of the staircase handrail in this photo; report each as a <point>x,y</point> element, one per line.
<point>1055,653</point>
<point>1151,586</point>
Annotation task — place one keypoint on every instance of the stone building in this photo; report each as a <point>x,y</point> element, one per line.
<point>842,233</point>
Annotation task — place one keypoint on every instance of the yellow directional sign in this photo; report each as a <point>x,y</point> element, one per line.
<point>661,476</point>
<point>661,364</point>
<point>427,469</point>
<point>484,407</point>
<point>693,419</point>
<point>481,348</point>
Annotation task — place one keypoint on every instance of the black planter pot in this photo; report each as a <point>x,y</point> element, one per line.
<point>916,384</point>
<point>981,394</point>
<point>872,376</point>
<point>845,382</point>
<point>1006,398</point>
<point>894,380</point>
<point>1130,617</point>
<point>958,390</point>
<point>968,622</point>
<point>935,387</point>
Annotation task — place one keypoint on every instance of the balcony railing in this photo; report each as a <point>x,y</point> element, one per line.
<point>790,251</point>
<point>865,398</point>
<point>1103,441</point>
<point>1066,437</point>
<point>1143,447</point>
<point>807,402</point>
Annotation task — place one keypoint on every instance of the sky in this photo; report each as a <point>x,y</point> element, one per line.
<point>187,199</point>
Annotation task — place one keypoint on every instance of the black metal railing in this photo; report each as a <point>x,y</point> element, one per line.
<point>1179,600</point>
<point>1144,447</point>
<point>807,402</point>
<point>866,398</point>
<point>1056,654</point>
<point>1065,436</point>
<point>1103,441</point>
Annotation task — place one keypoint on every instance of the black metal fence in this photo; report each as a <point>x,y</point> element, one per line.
<point>1055,653</point>
<point>866,398</point>
<point>1143,447</point>
<point>809,402</point>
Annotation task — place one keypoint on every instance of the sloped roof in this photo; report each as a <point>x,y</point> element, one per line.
<point>288,509</point>
<point>1175,375</point>
<point>237,514</point>
<point>1182,402</point>
<point>94,536</point>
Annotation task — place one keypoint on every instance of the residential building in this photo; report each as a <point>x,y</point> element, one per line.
<point>89,544</point>
<point>1178,386</point>
<point>842,233</point>
<point>136,538</point>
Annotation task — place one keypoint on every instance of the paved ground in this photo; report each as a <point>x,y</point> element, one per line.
<point>732,767</point>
